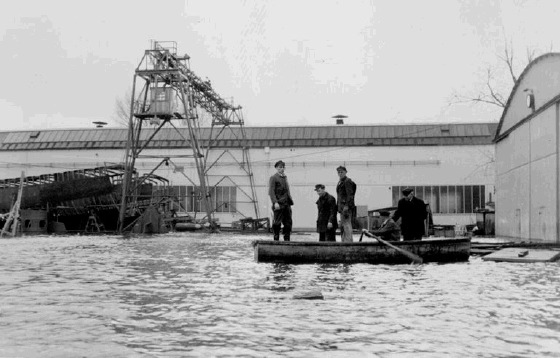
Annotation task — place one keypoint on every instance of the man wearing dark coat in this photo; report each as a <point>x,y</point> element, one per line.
<point>389,230</point>
<point>279,192</point>
<point>413,213</point>
<point>326,218</point>
<point>345,191</point>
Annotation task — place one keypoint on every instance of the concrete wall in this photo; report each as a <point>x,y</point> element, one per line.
<point>374,169</point>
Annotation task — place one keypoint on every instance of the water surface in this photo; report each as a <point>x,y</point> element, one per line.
<point>184,294</point>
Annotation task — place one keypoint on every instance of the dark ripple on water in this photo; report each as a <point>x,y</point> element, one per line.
<point>203,295</point>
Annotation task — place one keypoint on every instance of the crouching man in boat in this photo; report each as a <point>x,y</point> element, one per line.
<point>389,230</point>
<point>279,192</point>
<point>326,217</point>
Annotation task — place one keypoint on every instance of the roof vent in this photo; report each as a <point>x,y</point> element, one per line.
<point>34,135</point>
<point>339,118</point>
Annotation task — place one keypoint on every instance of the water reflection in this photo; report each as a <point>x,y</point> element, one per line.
<point>203,295</point>
<point>282,276</point>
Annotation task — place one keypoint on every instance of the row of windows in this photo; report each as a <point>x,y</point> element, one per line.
<point>447,199</point>
<point>189,198</point>
<point>443,199</point>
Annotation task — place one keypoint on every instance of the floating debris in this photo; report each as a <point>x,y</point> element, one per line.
<point>309,295</point>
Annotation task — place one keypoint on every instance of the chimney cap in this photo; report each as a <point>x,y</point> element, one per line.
<point>99,124</point>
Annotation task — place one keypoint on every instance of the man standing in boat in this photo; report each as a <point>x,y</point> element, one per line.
<point>345,191</point>
<point>279,192</point>
<point>413,213</point>
<point>326,218</point>
<point>389,230</point>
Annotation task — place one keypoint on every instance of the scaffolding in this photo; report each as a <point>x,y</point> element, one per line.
<point>166,91</point>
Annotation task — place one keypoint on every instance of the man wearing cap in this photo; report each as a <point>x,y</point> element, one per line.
<point>326,218</point>
<point>345,190</point>
<point>413,213</point>
<point>389,229</point>
<point>279,192</point>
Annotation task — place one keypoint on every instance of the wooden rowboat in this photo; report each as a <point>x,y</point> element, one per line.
<point>294,252</point>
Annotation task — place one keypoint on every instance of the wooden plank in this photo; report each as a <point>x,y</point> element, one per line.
<point>481,251</point>
<point>519,254</point>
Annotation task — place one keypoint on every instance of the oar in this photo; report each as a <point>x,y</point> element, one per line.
<point>415,258</point>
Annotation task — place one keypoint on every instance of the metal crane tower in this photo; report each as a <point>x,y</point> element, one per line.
<point>166,92</point>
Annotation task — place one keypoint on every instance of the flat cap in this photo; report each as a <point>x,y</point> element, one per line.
<point>319,186</point>
<point>341,168</point>
<point>407,191</point>
<point>279,163</point>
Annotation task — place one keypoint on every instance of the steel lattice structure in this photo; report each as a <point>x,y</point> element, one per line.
<point>171,91</point>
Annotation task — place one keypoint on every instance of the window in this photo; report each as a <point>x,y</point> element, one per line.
<point>222,198</point>
<point>188,198</point>
<point>476,197</point>
<point>447,199</point>
<point>452,199</point>
<point>468,199</point>
<point>460,196</point>
<point>443,199</point>
<point>193,199</point>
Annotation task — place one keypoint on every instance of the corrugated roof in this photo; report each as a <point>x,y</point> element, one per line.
<point>309,136</point>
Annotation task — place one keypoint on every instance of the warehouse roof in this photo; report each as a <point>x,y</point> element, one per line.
<point>538,80</point>
<point>302,136</point>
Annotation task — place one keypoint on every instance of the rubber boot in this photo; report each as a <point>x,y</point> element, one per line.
<point>276,232</point>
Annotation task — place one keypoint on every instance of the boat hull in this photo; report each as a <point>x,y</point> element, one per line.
<point>293,252</point>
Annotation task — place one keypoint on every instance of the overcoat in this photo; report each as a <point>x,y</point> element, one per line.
<point>326,206</point>
<point>413,213</point>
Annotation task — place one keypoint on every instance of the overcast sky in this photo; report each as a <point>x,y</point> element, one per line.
<point>64,63</point>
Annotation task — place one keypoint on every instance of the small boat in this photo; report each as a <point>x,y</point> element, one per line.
<point>302,252</point>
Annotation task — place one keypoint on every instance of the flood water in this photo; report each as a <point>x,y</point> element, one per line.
<point>202,295</point>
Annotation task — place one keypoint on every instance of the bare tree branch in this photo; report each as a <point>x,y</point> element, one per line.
<point>497,99</point>
<point>531,54</point>
<point>496,92</point>
<point>508,60</point>
<point>122,109</point>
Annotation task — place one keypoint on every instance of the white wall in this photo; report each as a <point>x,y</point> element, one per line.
<point>526,180</point>
<point>512,194</point>
<point>374,169</point>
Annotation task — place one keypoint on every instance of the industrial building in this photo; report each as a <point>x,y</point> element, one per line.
<point>451,166</point>
<point>527,155</point>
